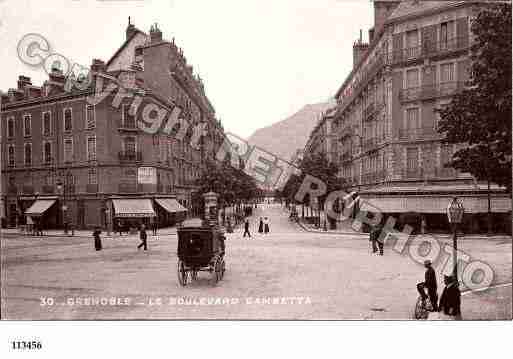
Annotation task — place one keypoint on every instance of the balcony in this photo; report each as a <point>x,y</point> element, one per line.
<point>418,133</point>
<point>128,188</point>
<point>431,91</point>
<point>127,125</point>
<point>130,156</point>
<point>413,173</point>
<point>431,49</point>
<point>373,177</point>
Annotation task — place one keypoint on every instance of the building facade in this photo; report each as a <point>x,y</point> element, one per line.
<point>90,162</point>
<point>385,126</point>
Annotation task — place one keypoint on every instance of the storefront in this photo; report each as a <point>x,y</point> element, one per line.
<point>169,211</point>
<point>132,212</point>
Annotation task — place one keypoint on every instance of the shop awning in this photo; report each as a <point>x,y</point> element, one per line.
<point>435,204</point>
<point>130,208</point>
<point>39,207</point>
<point>171,205</point>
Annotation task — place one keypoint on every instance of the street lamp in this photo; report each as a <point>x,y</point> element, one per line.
<point>455,212</point>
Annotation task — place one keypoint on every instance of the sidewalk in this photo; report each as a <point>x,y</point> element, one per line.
<point>168,231</point>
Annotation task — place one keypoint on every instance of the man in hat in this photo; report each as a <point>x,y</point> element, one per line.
<point>450,301</point>
<point>430,284</point>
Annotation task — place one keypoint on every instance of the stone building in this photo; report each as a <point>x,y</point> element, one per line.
<point>70,155</point>
<point>385,125</point>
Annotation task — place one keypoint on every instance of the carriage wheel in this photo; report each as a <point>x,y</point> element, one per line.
<point>182,273</point>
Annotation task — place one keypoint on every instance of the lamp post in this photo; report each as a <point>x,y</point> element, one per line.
<point>455,212</point>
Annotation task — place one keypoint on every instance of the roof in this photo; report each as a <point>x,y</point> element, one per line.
<point>127,41</point>
<point>412,7</point>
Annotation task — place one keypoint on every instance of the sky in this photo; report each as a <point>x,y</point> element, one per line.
<point>261,60</point>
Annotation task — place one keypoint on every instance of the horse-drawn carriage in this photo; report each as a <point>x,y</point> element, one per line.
<point>200,249</point>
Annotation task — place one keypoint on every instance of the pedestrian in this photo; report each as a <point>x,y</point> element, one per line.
<point>30,226</point>
<point>450,301</point>
<point>423,225</point>
<point>143,236</point>
<point>97,239</point>
<point>119,226</point>
<point>246,228</point>
<point>261,226</point>
<point>377,239</point>
<point>430,284</point>
<point>266,225</point>
<point>154,227</point>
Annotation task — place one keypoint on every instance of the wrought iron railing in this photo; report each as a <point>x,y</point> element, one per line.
<point>431,91</point>
<point>418,133</point>
<point>130,156</point>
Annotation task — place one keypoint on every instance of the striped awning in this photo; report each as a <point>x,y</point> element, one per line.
<point>435,204</point>
<point>39,207</point>
<point>171,205</point>
<point>133,208</point>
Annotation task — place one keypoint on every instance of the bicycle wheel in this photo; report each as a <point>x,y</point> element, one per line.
<point>421,311</point>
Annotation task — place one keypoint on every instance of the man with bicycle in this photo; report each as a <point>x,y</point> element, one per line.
<point>430,284</point>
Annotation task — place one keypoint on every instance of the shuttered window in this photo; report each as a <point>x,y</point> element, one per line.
<point>447,72</point>
<point>90,117</point>
<point>412,158</point>
<point>91,148</point>
<point>68,150</point>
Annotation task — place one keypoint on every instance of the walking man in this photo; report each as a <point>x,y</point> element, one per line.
<point>430,284</point>
<point>266,225</point>
<point>246,228</point>
<point>377,239</point>
<point>143,236</point>
<point>97,240</point>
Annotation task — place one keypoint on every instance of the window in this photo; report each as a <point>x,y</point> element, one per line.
<point>443,36</point>
<point>92,176</point>
<point>130,144</point>
<point>128,119</point>
<point>447,72</point>
<point>47,123</point>
<point>28,154</point>
<point>68,150</point>
<point>68,120</point>
<point>412,78</point>
<point>10,127</point>
<point>27,126</point>
<point>47,152</point>
<point>91,148</point>
<point>447,35</point>
<point>90,117</point>
<point>412,158</point>
<point>11,156</point>
<point>412,44</point>
<point>445,154</point>
<point>412,118</point>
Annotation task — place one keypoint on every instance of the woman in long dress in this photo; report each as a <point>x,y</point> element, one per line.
<point>266,225</point>
<point>261,226</point>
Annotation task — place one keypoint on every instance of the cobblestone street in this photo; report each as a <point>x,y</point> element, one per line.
<point>316,276</point>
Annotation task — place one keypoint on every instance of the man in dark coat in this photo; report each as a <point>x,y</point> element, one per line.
<point>97,240</point>
<point>430,284</point>
<point>143,236</point>
<point>450,301</point>
<point>246,228</point>
<point>377,242</point>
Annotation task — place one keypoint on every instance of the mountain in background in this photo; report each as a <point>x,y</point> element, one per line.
<point>284,138</point>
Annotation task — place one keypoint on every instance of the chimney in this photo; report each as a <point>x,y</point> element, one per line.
<point>98,66</point>
<point>155,34</point>
<point>382,10</point>
<point>23,81</point>
<point>56,76</point>
<point>359,49</point>
<point>371,35</point>
<point>130,29</point>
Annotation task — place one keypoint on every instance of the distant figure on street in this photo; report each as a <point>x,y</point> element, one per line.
<point>261,226</point>
<point>154,227</point>
<point>450,301</point>
<point>430,284</point>
<point>119,226</point>
<point>423,225</point>
<point>97,239</point>
<point>143,236</point>
<point>246,228</point>
<point>266,225</point>
<point>376,238</point>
